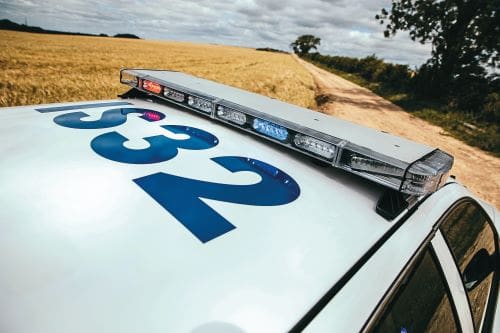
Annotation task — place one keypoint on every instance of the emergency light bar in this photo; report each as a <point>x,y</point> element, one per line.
<point>394,162</point>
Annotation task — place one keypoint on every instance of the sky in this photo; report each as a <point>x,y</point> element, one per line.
<point>346,27</point>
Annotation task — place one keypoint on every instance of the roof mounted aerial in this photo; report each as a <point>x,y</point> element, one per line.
<point>394,162</point>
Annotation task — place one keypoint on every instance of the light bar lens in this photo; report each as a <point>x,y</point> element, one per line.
<point>128,78</point>
<point>314,146</point>
<point>151,86</point>
<point>153,115</point>
<point>200,104</point>
<point>231,115</point>
<point>419,177</point>
<point>428,174</point>
<point>370,165</point>
<point>173,94</point>
<point>270,129</point>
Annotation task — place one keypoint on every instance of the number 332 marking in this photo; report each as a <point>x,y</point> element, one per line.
<point>182,197</point>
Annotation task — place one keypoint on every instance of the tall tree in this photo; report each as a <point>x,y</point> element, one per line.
<point>465,34</point>
<point>303,44</point>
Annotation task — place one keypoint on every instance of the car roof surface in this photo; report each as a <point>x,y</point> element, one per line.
<point>84,248</point>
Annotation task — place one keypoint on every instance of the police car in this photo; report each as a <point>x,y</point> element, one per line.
<point>191,206</point>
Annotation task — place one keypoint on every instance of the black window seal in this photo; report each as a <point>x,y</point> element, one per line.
<point>407,273</point>
<point>328,296</point>
<point>402,274</point>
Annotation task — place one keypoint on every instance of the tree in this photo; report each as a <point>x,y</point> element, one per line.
<point>303,44</point>
<point>465,36</point>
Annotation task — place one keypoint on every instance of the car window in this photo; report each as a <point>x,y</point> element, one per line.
<point>421,304</point>
<point>472,242</point>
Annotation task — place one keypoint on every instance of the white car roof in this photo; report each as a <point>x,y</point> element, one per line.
<point>83,248</point>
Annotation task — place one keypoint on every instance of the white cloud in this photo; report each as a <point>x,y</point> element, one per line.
<point>345,27</point>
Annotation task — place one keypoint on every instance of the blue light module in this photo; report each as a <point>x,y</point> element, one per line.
<point>270,129</point>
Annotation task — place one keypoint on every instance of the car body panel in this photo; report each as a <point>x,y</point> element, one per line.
<point>84,249</point>
<point>358,296</point>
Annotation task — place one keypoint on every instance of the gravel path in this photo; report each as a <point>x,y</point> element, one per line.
<point>476,169</point>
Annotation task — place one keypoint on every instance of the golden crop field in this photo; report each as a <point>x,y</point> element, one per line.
<point>39,68</point>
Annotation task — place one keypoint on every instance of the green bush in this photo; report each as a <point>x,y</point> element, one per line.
<point>492,108</point>
<point>468,107</point>
<point>370,68</point>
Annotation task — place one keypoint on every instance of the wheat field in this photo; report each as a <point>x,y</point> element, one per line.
<point>39,68</point>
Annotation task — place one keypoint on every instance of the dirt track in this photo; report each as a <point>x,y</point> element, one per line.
<point>479,171</point>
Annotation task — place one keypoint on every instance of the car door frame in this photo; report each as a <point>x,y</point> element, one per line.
<point>454,271</point>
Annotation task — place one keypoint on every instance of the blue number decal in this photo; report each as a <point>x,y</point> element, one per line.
<point>109,118</point>
<point>110,145</point>
<point>181,196</point>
